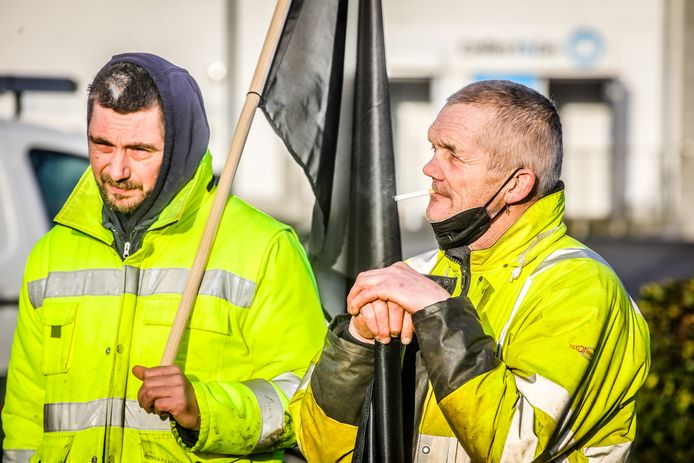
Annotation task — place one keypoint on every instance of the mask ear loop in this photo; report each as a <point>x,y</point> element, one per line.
<point>499,191</point>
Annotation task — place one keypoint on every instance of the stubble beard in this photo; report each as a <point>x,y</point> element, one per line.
<point>131,204</point>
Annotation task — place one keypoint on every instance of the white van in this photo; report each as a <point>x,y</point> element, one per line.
<point>38,169</point>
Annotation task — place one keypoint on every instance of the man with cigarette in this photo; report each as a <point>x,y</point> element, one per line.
<point>102,288</point>
<point>529,348</point>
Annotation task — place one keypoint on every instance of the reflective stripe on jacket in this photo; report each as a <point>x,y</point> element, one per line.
<point>87,317</point>
<point>541,360</point>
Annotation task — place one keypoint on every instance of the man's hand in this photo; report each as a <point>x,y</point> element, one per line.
<point>380,321</point>
<point>167,390</point>
<point>382,302</point>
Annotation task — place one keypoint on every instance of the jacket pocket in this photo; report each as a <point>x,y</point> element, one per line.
<point>54,448</point>
<point>58,326</point>
<point>161,447</point>
<point>204,340</point>
<point>206,316</point>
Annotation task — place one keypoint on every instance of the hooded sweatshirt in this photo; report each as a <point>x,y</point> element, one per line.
<point>186,136</point>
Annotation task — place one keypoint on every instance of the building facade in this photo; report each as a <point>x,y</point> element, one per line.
<point>617,71</point>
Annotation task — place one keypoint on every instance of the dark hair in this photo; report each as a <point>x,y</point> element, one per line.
<point>525,130</point>
<point>125,88</point>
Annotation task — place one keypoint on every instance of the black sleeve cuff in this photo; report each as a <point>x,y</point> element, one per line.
<point>188,436</point>
<point>340,326</point>
<point>342,374</point>
<point>454,346</point>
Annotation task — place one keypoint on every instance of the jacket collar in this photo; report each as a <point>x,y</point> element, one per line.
<point>83,209</point>
<point>537,228</point>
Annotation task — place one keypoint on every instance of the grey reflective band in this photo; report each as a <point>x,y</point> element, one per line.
<point>303,385</point>
<point>569,253</point>
<point>434,449</point>
<point>95,282</point>
<point>17,456</point>
<point>610,454</point>
<point>115,412</point>
<point>217,283</point>
<point>131,280</point>
<point>557,256</point>
<point>227,286</point>
<point>536,392</point>
<point>272,413</point>
<point>564,438</point>
<point>137,418</point>
<point>287,383</point>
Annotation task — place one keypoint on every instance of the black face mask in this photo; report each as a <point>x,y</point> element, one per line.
<point>467,226</point>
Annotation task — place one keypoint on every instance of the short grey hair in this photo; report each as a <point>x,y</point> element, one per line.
<point>524,131</point>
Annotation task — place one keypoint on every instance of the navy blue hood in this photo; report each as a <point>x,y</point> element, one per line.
<point>186,135</point>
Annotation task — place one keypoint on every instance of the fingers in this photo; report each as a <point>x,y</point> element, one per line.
<point>154,399</point>
<point>379,320</point>
<point>398,283</point>
<point>382,302</point>
<point>358,286</point>
<point>166,391</point>
<point>139,372</point>
<point>159,385</point>
<point>368,320</point>
<point>395,319</point>
<point>382,316</point>
<point>407,329</point>
<point>143,373</point>
<point>359,330</point>
<point>370,285</point>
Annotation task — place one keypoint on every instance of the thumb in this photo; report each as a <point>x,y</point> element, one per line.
<point>139,372</point>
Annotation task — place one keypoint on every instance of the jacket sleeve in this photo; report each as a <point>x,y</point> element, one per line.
<point>22,415</point>
<point>569,370</point>
<point>283,330</point>
<point>328,410</point>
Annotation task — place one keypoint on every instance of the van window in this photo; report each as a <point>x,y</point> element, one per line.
<point>57,174</point>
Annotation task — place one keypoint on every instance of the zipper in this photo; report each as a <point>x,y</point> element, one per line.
<point>126,249</point>
<point>464,265</point>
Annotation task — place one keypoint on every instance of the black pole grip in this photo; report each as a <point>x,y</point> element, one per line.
<point>387,403</point>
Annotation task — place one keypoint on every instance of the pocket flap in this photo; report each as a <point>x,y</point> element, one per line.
<point>58,313</point>
<point>208,316</point>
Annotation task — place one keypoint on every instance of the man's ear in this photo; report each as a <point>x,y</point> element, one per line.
<point>522,185</point>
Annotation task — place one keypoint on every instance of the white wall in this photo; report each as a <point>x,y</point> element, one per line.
<point>446,40</point>
<point>267,175</point>
<point>439,39</point>
<point>75,38</point>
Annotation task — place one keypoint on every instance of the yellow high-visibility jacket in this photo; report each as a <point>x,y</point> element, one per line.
<point>86,317</point>
<point>538,354</point>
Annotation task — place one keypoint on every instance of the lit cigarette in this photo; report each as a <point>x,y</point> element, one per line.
<point>414,194</point>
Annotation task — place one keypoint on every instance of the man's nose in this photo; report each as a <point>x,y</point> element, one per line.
<point>431,168</point>
<point>119,167</point>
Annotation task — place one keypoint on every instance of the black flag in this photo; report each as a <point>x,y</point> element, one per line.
<point>334,118</point>
<point>327,97</point>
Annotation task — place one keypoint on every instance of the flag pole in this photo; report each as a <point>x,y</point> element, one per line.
<point>374,229</point>
<point>238,141</point>
<point>388,413</point>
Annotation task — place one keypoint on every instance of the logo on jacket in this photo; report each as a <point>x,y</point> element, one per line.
<point>585,351</point>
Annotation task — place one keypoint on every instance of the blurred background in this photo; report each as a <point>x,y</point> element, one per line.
<point>620,72</point>
<point>617,71</point>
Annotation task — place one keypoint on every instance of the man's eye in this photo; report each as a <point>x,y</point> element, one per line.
<point>453,157</point>
<point>140,153</point>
